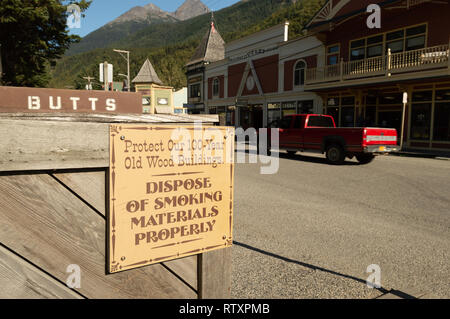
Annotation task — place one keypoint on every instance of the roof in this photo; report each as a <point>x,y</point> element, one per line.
<point>335,11</point>
<point>211,48</point>
<point>147,74</point>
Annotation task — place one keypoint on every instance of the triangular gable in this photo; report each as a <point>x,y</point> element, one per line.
<point>250,71</point>
<point>337,10</point>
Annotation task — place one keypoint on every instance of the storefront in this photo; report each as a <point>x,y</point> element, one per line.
<point>427,113</point>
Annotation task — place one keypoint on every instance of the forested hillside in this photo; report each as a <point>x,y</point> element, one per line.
<point>170,45</point>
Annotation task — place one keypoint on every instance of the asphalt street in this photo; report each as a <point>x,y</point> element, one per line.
<point>312,229</point>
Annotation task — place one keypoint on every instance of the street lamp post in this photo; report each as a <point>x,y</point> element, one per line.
<point>122,52</point>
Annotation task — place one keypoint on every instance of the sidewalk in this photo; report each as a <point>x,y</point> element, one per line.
<point>442,155</point>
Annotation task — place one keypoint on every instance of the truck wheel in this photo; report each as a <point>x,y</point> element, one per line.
<point>335,154</point>
<point>365,158</point>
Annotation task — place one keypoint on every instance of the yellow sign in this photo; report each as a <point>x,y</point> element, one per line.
<point>171,193</point>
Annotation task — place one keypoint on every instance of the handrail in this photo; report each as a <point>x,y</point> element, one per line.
<point>415,60</point>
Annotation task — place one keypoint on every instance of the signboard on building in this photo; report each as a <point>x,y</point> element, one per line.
<point>30,100</point>
<point>171,193</point>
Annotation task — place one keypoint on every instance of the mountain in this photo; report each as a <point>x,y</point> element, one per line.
<point>169,46</point>
<point>190,9</point>
<point>149,13</point>
<point>134,20</point>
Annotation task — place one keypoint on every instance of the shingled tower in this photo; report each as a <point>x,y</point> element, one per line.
<point>211,49</point>
<point>156,98</point>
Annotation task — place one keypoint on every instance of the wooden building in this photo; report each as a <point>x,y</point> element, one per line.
<point>260,80</point>
<point>366,71</point>
<point>344,68</point>
<point>156,98</point>
<point>211,49</point>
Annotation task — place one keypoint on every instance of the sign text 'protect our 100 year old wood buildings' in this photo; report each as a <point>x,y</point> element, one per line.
<point>171,193</point>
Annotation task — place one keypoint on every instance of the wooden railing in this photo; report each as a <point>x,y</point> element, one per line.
<point>415,60</point>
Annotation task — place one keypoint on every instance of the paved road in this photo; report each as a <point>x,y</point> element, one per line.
<point>312,230</point>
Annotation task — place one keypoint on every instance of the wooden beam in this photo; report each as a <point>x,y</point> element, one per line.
<point>214,277</point>
<point>21,280</point>
<point>70,142</point>
<point>90,186</point>
<point>46,224</point>
<point>41,145</point>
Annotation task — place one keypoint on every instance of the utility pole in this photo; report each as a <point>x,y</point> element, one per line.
<point>122,52</point>
<point>105,75</point>
<point>89,79</point>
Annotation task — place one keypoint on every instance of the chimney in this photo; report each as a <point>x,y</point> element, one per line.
<point>286,31</point>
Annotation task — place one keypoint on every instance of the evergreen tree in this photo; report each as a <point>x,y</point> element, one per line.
<point>33,35</point>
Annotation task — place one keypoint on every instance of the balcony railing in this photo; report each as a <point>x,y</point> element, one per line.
<point>409,61</point>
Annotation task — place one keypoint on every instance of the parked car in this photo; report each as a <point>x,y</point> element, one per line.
<point>314,132</point>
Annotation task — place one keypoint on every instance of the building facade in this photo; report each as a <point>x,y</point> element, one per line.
<point>366,71</point>
<point>345,68</point>
<point>257,82</point>
<point>156,98</point>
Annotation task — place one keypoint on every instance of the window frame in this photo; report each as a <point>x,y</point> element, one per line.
<point>333,54</point>
<point>199,95</point>
<point>215,81</point>
<point>304,73</point>
<point>385,41</point>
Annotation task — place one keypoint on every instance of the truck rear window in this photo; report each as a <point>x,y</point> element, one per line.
<point>320,121</point>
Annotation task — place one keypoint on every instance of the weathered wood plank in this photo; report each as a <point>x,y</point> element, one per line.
<point>88,185</point>
<point>214,277</point>
<point>21,280</point>
<point>40,145</point>
<point>91,187</point>
<point>186,268</point>
<point>58,144</point>
<point>46,224</point>
<point>115,118</point>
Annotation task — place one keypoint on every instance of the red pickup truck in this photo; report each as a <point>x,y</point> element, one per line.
<point>313,132</point>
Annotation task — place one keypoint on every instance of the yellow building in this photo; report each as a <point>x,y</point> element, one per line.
<point>156,98</point>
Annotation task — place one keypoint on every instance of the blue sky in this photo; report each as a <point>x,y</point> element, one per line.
<point>102,11</point>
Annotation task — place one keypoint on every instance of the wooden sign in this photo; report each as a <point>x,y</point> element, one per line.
<point>171,193</point>
<point>31,100</point>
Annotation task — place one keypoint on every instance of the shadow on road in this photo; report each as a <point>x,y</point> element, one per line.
<point>303,158</point>
<point>313,267</point>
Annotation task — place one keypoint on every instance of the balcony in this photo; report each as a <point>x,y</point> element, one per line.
<point>427,62</point>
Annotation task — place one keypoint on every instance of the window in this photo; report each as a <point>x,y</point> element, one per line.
<point>285,122</point>
<point>421,115</point>
<point>216,87</point>
<point>194,90</point>
<point>412,38</point>
<point>333,54</point>
<point>306,107</point>
<point>420,121</point>
<point>299,73</point>
<point>395,41</point>
<point>348,116</point>
<point>288,108</point>
<point>273,112</point>
<point>441,130</point>
<point>375,46</point>
<point>320,121</point>
<point>299,122</point>
<point>358,50</point>
<point>334,112</point>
